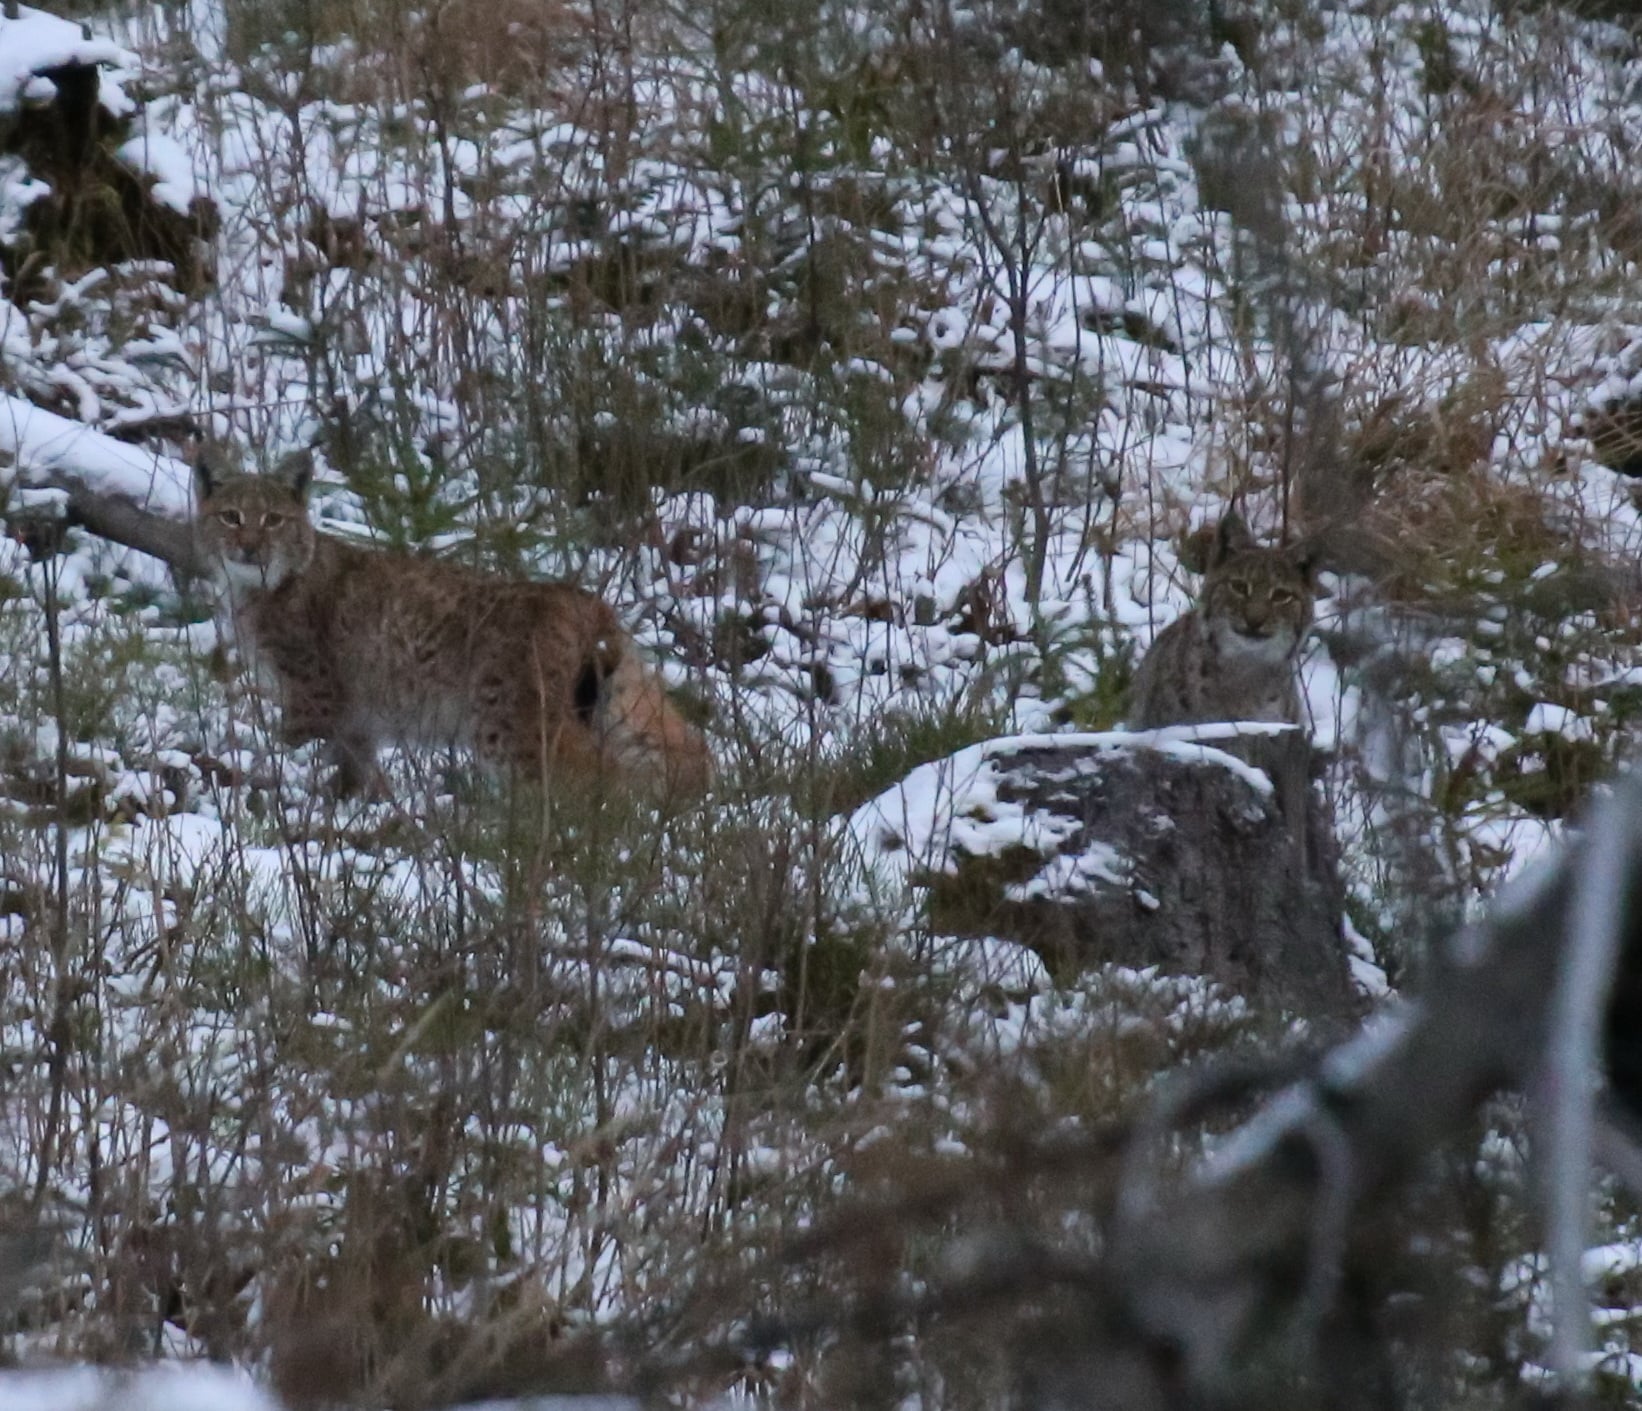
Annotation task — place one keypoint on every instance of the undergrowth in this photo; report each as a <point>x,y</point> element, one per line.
<point>877,365</point>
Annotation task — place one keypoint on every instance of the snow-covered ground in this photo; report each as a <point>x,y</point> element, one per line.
<point>205,1388</point>
<point>170,1388</point>
<point>608,322</point>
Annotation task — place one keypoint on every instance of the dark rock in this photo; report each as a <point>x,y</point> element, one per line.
<point>97,211</point>
<point>1614,430</point>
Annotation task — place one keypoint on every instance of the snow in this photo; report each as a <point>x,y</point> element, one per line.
<point>1072,875</point>
<point>35,41</point>
<point>1547,718</point>
<point>874,584</point>
<point>163,1388</point>
<point>43,443</point>
<point>950,808</point>
<point>200,1387</point>
<point>175,183</point>
<point>989,961</point>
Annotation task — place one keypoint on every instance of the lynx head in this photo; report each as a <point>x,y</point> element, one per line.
<point>253,529</point>
<point>1256,601</point>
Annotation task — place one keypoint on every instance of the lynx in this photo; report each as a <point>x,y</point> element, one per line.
<point>1232,657</point>
<point>365,647</point>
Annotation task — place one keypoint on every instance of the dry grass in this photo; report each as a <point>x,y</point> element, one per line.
<point>435,1100</point>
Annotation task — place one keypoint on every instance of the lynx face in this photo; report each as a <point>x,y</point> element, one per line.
<point>1257,602</point>
<point>1232,657</point>
<point>254,528</point>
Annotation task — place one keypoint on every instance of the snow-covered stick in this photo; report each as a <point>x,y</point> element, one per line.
<point>116,491</point>
<point>1565,1095</point>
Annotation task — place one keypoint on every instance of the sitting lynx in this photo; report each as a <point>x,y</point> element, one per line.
<point>366,647</point>
<point>1232,657</point>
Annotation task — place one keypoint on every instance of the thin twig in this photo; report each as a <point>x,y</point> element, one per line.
<point>59,1033</point>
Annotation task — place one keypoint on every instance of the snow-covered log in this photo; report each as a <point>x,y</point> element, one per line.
<point>1213,877</point>
<point>1199,850</point>
<point>114,490</point>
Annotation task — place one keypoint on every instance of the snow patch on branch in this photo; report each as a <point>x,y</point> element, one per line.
<point>52,450</point>
<point>36,41</point>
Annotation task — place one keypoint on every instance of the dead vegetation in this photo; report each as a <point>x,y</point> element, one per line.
<point>742,301</point>
<point>98,212</point>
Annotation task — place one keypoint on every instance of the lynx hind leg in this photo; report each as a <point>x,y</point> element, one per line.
<point>544,723</point>
<point>640,729</point>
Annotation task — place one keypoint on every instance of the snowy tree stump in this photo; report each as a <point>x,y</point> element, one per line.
<point>1158,848</point>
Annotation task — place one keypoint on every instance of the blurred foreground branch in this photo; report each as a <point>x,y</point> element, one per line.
<point>1251,1245</point>
<point>1230,1286</point>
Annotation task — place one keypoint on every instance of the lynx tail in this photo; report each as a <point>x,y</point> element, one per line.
<point>642,728</point>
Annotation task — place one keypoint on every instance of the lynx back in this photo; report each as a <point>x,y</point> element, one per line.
<point>365,647</point>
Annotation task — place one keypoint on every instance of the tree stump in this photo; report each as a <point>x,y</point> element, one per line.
<point>1158,848</point>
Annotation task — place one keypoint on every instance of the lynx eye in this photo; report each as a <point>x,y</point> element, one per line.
<point>1240,588</point>
<point>1282,595</point>
<point>274,520</point>
<point>232,518</point>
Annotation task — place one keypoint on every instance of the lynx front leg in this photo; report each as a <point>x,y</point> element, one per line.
<point>357,771</point>
<point>311,707</point>
<point>315,710</point>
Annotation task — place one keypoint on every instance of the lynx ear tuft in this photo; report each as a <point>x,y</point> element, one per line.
<point>211,467</point>
<point>296,473</point>
<point>1206,549</point>
<point>1196,550</point>
<point>1233,536</point>
<point>1209,546</point>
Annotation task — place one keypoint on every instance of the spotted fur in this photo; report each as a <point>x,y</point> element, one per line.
<point>365,647</point>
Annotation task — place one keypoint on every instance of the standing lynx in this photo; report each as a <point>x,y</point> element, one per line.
<point>1232,657</point>
<point>365,647</point>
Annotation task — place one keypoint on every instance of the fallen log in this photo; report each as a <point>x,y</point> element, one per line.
<point>113,490</point>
